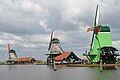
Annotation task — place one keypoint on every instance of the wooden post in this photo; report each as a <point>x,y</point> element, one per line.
<point>54,66</point>
<point>115,65</point>
<point>62,62</point>
<point>101,67</point>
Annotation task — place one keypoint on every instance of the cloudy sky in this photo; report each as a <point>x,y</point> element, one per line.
<point>28,24</point>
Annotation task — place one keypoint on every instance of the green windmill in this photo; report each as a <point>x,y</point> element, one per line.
<point>101,45</point>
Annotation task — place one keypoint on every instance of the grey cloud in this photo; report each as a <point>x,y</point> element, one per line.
<point>24,16</point>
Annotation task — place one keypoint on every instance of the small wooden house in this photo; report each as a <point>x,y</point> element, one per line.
<point>67,57</point>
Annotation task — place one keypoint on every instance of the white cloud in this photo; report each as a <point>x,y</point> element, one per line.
<point>116,44</point>
<point>74,9</point>
<point>26,41</point>
<point>32,8</point>
<point>44,25</point>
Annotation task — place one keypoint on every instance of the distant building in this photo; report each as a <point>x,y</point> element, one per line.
<point>24,60</point>
<point>13,59</point>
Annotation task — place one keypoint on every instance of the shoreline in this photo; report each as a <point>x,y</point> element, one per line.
<point>72,65</point>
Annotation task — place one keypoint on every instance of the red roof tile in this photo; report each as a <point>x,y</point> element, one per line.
<point>62,56</point>
<point>24,59</point>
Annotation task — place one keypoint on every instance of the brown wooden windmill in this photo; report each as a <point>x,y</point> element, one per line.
<point>54,49</point>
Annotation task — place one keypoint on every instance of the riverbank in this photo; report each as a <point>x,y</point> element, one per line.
<point>70,65</point>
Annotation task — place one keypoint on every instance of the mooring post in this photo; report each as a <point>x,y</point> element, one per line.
<point>101,67</point>
<point>54,66</point>
<point>115,65</point>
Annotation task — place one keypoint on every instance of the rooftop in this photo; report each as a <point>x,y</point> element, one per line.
<point>62,56</point>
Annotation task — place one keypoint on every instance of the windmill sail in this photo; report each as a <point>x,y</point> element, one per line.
<point>96,20</point>
<point>9,47</point>
<point>50,41</point>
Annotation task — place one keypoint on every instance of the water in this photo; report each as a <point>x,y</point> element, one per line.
<point>43,72</point>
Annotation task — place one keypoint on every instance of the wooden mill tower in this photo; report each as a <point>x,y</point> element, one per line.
<point>12,54</point>
<point>54,49</point>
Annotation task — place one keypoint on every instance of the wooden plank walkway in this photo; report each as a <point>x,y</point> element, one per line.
<point>90,65</point>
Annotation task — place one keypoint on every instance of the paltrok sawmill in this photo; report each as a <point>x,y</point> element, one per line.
<point>101,50</point>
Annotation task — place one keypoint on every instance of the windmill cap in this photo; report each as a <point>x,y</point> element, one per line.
<point>104,28</point>
<point>55,40</point>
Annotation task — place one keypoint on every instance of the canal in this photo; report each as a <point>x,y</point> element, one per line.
<point>43,72</point>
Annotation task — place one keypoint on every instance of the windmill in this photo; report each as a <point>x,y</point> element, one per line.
<point>54,45</point>
<point>101,49</point>
<point>54,48</point>
<point>12,52</point>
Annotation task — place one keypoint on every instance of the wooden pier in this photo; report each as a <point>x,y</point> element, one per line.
<point>91,65</point>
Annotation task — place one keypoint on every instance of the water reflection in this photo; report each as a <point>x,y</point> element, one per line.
<point>40,72</point>
<point>12,67</point>
<point>105,75</point>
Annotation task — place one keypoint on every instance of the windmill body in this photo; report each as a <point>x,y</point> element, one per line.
<point>54,49</point>
<point>55,46</point>
<point>101,39</point>
<point>12,54</point>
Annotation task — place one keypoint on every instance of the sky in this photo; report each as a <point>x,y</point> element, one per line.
<point>27,24</point>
